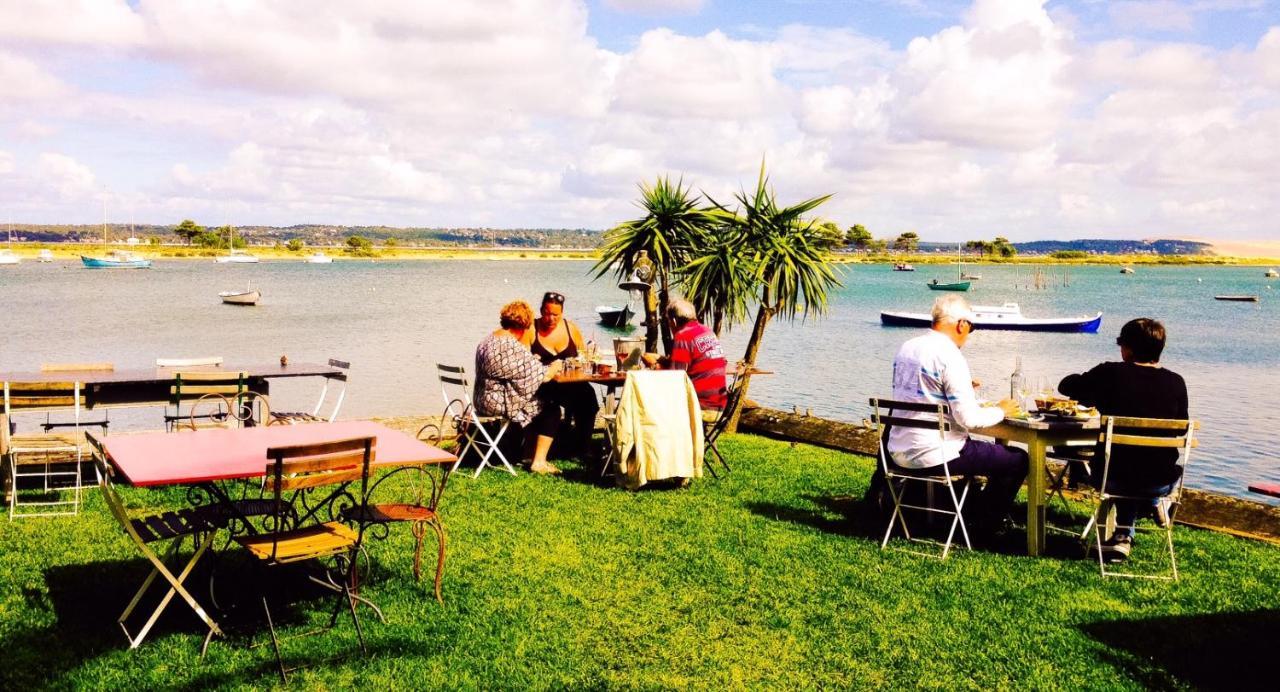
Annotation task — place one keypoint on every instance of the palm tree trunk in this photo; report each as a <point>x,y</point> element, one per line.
<point>718,321</point>
<point>650,323</point>
<point>749,360</point>
<point>664,298</point>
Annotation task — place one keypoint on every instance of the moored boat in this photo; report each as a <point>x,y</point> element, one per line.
<point>1126,270</point>
<point>117,259</point>
<point>319,258</point>
<point>615,317</point>
<point>936,285</point>
<point>249,296</point>
<point>7,256</point>
<point>1271,274</point>
<point>233,255</point>
<point>45,255</point>
<point>903,267</point>
<point>1238,299</point>
<point>1004,317</point>
<point>971,277</point>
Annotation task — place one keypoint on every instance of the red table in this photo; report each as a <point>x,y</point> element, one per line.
<point>205,456</point>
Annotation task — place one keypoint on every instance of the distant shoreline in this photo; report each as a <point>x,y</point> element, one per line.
<point>64,252</point>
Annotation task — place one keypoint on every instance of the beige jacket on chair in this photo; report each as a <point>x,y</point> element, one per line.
<point>658,428</point>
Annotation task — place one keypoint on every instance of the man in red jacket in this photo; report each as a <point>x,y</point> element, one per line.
<point>696,350</point>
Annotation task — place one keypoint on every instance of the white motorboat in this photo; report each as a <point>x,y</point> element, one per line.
<point>45,255</point>
<point>1271,274</point>
<point>1126,270</point>
<point>233,255</point>
<point>319,258</point>
<point>249,296</point>
<point>1004,317</point>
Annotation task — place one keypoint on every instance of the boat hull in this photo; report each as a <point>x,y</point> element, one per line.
<point>615,317</point>
<point>953,286</point>
<point>236,259</point>
<point>240,297</point>
<point>101,263</point>
<point>1238,299</point>
<point>1082,325</point>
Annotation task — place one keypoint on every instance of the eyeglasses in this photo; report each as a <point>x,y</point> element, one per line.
<point>553,297</point>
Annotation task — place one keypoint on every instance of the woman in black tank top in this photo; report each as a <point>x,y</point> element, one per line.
<point>556,338</point>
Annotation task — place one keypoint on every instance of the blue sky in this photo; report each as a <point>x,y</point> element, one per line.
<point>955,119</point>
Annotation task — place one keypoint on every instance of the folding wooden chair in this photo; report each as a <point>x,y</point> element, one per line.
<point>49,424</point>
<point>198,523</point>
<point>315,415</point>
<point>190,388</point>
<point>53,458</point>
<point>302,534</point>
<point>473,429</point>
<point>1149,433</point>
<point>896,478</point>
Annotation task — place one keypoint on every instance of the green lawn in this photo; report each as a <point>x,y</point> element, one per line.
<point>761,579</point>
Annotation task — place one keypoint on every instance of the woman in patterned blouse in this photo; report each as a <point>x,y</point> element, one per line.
<point>508,376</point>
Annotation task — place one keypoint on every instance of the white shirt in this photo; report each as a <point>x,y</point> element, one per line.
<point>929,369</point>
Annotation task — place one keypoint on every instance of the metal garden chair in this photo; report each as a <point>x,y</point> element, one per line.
<point>315,415</point>
<point>1141,433</point>
<point>936,417</point>
<point>473,430</point>
<point>201,387</point>
<point>199,524</point>
<point>713,428</point>
<point>312,532</point>
<point>53,458</point>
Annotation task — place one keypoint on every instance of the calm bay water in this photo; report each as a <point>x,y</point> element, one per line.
<point>395,320</point>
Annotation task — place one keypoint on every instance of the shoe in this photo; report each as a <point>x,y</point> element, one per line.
<point>545,469</point>
<point>1116,549</point>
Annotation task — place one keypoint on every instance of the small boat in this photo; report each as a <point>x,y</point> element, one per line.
<point>615,317</point>
<point>233,255</point>
<point>1126,270</point>
<point>45,255</point>
<point>7,255</point>
<point>1004,317</point>
<point>1238,299</point>
<point>1271,274</point>
<point>319,258</point>
<point>117,259</point>
<point>903,267</point>
<point>936,285</point>
<point>249,296</point>
<point>971,277</point>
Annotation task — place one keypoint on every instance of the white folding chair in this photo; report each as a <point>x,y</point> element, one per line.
<point>1156,433</point>
<point>934,417</point>
<point>473,431</point>
<point>315,415</point>
<point>44,456</point>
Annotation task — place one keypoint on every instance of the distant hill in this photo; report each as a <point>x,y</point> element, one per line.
<point>1097,247</point>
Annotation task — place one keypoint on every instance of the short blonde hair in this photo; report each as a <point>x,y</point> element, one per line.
<point>516,315</point>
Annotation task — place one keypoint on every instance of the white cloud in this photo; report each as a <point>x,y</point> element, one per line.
<point>657,6</point>
<point>23,81</point>
<point>94,23</point>
<point>64,175</point>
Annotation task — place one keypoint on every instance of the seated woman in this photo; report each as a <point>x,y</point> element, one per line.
<point>556,339</point>
<point>507,380</point>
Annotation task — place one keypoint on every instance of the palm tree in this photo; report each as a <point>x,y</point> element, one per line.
<point>668,232</point>
<point>720,280</point>
<point>788,268</point>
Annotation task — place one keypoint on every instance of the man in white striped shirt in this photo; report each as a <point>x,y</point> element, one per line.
<point>930,369</point>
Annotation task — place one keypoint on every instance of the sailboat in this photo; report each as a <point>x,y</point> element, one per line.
<point>249,296</point>
<point>958,285</point>
<point>45,255</point>
<point>7,255</point>
<point>114,259</point>
<point>233,255</point>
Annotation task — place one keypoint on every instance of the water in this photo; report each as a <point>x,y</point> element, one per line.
<point>395,320</point>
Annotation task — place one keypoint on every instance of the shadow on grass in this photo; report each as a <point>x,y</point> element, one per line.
<point>1217,651</point>
<point>86,600</point>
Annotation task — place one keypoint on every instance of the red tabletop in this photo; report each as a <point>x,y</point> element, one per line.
<point>1272,489</point>
<point>200,456</point>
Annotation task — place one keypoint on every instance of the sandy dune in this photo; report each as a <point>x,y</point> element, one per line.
<point>1246,248</point>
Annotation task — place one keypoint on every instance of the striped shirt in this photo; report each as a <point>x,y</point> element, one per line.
<point>696,350</point>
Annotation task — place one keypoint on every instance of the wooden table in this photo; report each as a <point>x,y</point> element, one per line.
<point>1038,436</point>
<point>150,386</point>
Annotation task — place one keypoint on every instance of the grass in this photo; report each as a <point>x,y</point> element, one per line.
<point>762,579</point>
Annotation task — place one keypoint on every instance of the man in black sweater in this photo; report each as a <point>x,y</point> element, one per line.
<point>1136,387</point>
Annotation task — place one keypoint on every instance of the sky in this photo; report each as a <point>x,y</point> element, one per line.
<point>1030,119</point>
